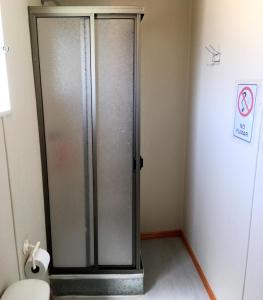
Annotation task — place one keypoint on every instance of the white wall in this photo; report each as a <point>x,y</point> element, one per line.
<point>221,168</point>
<point>254,274</point>
<point>21,133</point>
<point>8,258</point>
<point>165,49</point>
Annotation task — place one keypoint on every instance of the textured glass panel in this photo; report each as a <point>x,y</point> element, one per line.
<point>114,59</point>
<point>62,64</point>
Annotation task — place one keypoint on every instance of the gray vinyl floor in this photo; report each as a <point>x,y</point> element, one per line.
<point>169,274</point>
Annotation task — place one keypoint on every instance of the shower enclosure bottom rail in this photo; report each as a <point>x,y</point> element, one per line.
<point>97,284</point>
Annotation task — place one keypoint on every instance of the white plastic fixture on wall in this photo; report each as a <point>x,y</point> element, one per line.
<point>5,105</point>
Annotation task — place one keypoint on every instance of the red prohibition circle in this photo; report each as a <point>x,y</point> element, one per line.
<point>241,98</point>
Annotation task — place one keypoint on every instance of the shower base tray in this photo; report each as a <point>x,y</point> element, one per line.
<point>97,284</point>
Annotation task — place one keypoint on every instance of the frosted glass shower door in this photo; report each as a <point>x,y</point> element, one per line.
<point>114,130</point>
<point>64,67</point>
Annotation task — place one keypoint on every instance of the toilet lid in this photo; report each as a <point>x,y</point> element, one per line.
<point>30,289</point>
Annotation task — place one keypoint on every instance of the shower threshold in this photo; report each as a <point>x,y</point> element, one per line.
<point>97,284</point>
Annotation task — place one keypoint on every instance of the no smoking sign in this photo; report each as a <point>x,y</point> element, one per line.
<point>245,109</point>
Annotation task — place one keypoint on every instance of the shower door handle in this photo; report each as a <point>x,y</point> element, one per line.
<point>141,162</point>
<point>134,163</point>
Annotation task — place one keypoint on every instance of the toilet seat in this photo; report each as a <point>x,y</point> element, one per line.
<point>29,289</point>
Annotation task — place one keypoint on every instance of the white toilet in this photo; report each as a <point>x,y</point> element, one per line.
<point>29,289</point>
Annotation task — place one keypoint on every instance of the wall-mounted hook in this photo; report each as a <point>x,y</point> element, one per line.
<point>216,55</point>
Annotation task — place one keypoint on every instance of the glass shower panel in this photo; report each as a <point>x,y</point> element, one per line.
<point>114,130</point>
<point>62,52</point>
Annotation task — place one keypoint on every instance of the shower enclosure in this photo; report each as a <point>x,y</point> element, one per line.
<point>86,68</point>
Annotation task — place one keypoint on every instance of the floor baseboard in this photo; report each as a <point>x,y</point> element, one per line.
<point>198,268</point>
<point>161,234</point>
<point>179,233</point>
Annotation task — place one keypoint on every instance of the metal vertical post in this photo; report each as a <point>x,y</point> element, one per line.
<point>94,136</point>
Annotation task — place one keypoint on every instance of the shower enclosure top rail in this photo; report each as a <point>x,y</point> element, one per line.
<point>84,10</point>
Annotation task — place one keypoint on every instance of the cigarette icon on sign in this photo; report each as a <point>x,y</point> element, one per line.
<point>244,102</point>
